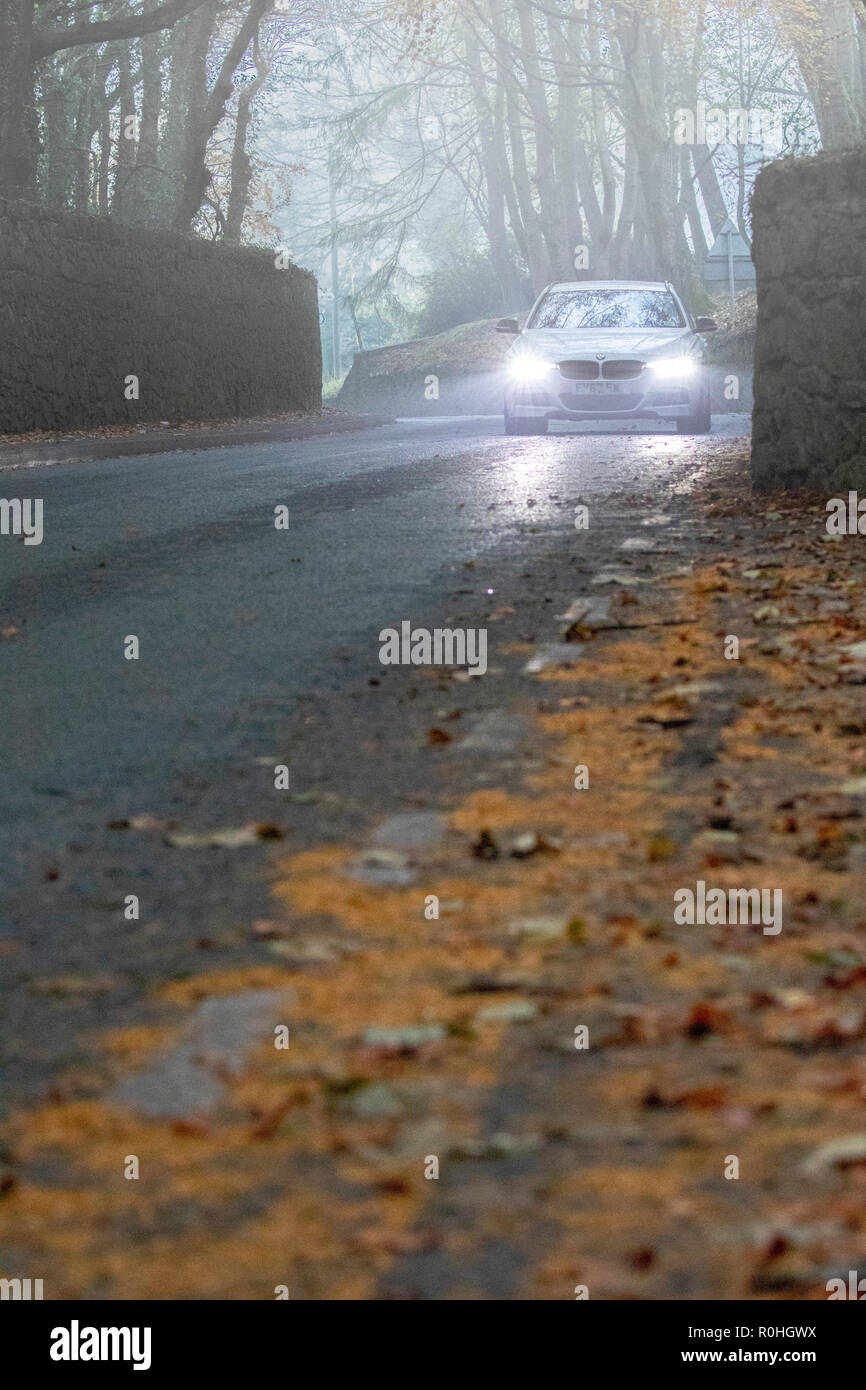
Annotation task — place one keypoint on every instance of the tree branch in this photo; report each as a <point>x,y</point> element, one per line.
<point>196,179</point>
<point>100,31</point>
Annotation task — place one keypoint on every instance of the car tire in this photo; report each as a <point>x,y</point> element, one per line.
<point>515,426</point>
<point>702,423</point>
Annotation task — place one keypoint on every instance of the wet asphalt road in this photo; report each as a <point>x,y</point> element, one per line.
<point>247,634</point>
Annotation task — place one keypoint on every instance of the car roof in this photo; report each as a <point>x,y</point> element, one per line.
<point>609,285</point>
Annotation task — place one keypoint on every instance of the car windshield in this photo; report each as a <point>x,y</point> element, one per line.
<point>608,309</point>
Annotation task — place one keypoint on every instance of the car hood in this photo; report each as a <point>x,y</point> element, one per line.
<point>614,342</point>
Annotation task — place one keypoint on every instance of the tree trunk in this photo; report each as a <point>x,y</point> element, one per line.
<point>242,169</point>
<point>537,257</point>
<point>571,233</point>
<point>57,82</point>
<point>542,129</point>
<point>622,260</point>
<point>494,221</point>
<point>146,179</point>
<point>689,203</point>
<point>17,157</point>
<point>196,176</point>
<point>125,143</point>
<point>711,189</point>
<point>824,36</point>
<point>187,93</point>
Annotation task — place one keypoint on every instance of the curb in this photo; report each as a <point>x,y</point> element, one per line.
<point>180,441</point>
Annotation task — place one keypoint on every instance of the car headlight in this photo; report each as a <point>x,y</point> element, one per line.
<point>668,367</point>
<point>528,367</point>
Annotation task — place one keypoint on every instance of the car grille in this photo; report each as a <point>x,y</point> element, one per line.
<point>580,371</point>
<point>621,370</point>
<point>617,370</point>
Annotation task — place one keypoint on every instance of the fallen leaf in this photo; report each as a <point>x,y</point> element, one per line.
<point>233,838</point>
<point>485,847</point>
<point>68,986</point>
<point>838,1153</point>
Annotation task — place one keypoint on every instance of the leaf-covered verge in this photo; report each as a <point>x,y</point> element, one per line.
<point>454,1037</point>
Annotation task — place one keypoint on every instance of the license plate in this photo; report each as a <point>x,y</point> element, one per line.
<point>597,388</point>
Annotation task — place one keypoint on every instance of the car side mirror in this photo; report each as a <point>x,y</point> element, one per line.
<point>507,326</point>
<point>704,325</point>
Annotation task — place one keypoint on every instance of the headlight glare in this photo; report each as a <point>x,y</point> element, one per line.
<point>669,367</point>
<point>527,367</point>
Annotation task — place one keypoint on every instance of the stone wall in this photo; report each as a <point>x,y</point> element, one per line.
<point>809,424</point>
<point>452,373</point>
<point>210,331</point>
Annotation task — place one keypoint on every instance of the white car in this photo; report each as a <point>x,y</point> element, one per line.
<point>607,350</point>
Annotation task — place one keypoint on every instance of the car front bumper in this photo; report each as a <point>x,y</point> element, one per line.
<point>559,402</point>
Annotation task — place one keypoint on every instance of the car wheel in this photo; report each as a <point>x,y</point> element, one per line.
<point>515,426</point>
<point>702,423</point>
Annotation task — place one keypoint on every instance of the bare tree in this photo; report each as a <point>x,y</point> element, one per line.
<point>23,45</point>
